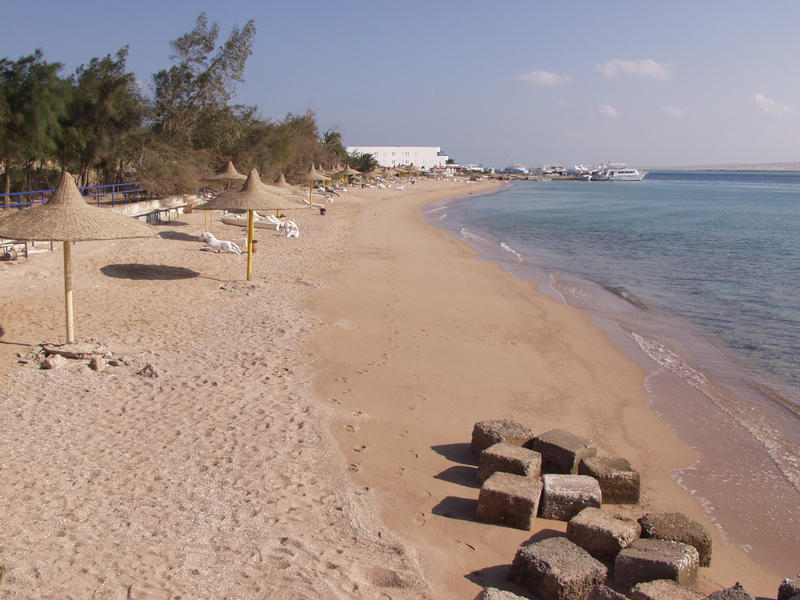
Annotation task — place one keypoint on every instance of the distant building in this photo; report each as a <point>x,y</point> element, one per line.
<point>422,157</point>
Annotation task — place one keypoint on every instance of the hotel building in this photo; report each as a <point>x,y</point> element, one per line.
<point>422,157</point>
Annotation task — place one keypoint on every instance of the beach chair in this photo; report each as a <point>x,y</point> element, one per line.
<point>291,228</point>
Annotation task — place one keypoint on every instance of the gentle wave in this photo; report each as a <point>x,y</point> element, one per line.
<point>474,237</point>
<point>782,452</point>
<point>508,248</point>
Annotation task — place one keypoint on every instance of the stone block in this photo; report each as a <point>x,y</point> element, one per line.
<point>663,589</point>
<point>789,587</point>
<point>557,569</point>
<point>602,535</point>
<point>678,528</point>
<point>736,592</point>
<point>488,433</point>
<point>618,481</point>
<point>509,459</point>
<point>651,559</point>
<point>564,496</point>
<point>498,594</point>
<point>509,499</point>
<point>561,450</point>
<point>601,592</point>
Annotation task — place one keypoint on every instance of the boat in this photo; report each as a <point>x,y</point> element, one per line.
<point>618,174</point>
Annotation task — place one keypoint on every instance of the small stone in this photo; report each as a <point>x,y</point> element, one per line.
<point>650,559</point>
<point>54,361</point>
<point>663,589</point>
<point>509,499</point>
<point>509,459</point>
<point>488,433</point>
<point>564,496</point>
<point>678,527</point>
<point>97,363</point>
<point>618,481</point>
<point>602,535</point>
<point>736,592</point>
<point>498,594</point>
<point>557,569</point>
<point>561,450</point>
<point>148,371</point>
<point>789,587</point>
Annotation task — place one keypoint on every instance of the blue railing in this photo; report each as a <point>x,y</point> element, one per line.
<point>119,192</point>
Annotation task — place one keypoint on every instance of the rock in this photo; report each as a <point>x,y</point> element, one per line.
<point>663,589</point>
<point>488,433</point>
<point>619,483</point>
<point>77,351</point>
<point>602,535</point>
<point>148,371</point>
<point>498,594</point>
<point>602,592</point>
<point>509,459</point>
<point>564,496</point>
<point>678,527</point>
<point>651,559</point>
<point>557,569</point>
<point>789,587</point>
<point>736,592</point>
<point>54,361</point>
<point>509,499</point>
<point>97,363</point>
<point>561,450</point>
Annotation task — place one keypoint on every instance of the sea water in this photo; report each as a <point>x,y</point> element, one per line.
<point>697,272</point>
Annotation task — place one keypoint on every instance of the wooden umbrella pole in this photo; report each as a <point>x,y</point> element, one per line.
<point>68,291</point>
<point>250,233</point>
<point>310,190</point>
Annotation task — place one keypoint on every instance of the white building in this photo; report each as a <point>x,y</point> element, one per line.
<point>422,157</point>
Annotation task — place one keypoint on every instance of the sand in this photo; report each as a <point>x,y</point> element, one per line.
<point>306,436</point>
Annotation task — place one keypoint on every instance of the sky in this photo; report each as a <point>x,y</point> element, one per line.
<point>651,84</point>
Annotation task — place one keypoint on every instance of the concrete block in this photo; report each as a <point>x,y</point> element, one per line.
<point>564,496</point>
<point>509,499</point>
<point>601,592</point>
<point>663,589</point>
<point>678,528</point>
<point>561,450</point>
<point>557,569</point>
<point>736,592</point>
<point>618,481</point>
<point>488,433</point>
<point>602,535</point>
<point>498,594</point>
<point>509,459</point>
<point>651,559</point>
<point>789,587</point>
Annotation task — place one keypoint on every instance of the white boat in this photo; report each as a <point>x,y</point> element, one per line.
<point>624,174</point>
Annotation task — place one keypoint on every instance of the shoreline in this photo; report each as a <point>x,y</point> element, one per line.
<point>711,418</point>
<point>411,392</point>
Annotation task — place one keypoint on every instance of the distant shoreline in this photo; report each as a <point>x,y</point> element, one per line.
<point>772,167</point>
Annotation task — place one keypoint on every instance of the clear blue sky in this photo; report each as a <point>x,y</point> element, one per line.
<point>647,83</point>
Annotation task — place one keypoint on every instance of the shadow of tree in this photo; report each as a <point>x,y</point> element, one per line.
<point>152,272</point>
<point>459,453</point>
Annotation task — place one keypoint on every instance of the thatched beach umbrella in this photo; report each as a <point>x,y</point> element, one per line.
<point>311,177</point>
<point>281,182</point>
<point>67,218</point>
<point>228,175</point>
<point>253,195</point>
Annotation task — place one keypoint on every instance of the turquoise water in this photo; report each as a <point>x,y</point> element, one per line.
<point>720,250</point>
<point>695,276</point>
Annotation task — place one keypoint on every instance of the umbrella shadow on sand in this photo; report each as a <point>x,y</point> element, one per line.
<point>178,236</point>
<point>150,272</point>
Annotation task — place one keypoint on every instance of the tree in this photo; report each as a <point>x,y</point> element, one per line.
<point>200,83</point>
<point>333,151</point>
<point>362,162</point>
<point>33,104</point>
<point>104,114</point>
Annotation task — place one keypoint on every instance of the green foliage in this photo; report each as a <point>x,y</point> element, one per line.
<point>200,84</point>
<point>362,162</point>
<point>104,115</point>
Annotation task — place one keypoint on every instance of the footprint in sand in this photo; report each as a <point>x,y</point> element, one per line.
<point>354,467</point>
<point>349,428</point>
<point>360,448</point>
<point>419,519</point>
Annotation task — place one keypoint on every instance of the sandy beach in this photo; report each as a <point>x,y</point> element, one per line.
<point>307,433</point>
